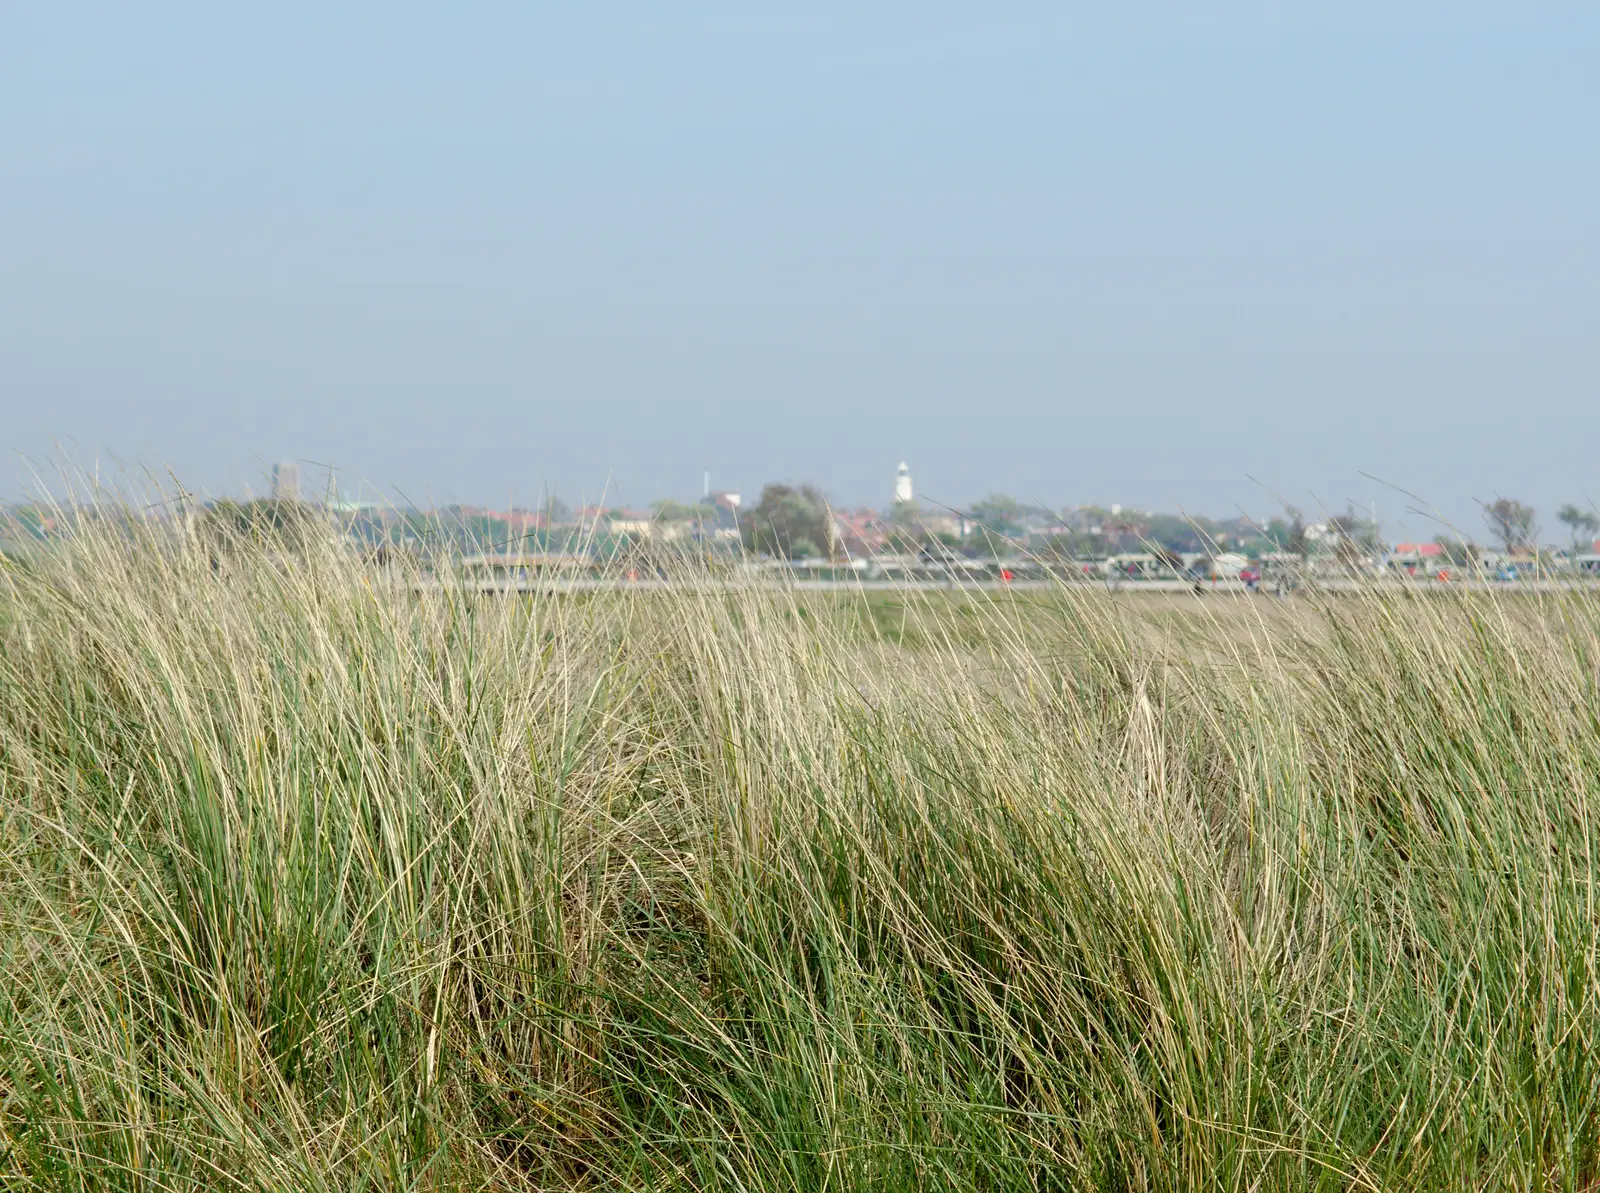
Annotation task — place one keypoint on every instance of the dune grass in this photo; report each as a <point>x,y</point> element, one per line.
<point>310,880</point>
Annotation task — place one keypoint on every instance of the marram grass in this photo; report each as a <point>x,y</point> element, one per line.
<point>312,880</point>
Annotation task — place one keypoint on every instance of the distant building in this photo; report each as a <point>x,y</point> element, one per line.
<point>724,520</point>
<point>286,481</point>
<point>1409,557</point>
<point>1418,551</point>
<point>859,533</point>
<point>902,485</point>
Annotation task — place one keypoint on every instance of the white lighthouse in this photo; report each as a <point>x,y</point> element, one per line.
<point>902,485</point>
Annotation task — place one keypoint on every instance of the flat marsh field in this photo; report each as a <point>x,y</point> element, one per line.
<point>313,881</point>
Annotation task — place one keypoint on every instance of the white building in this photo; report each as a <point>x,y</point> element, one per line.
<point>286,481</point>
<point>902,485</point>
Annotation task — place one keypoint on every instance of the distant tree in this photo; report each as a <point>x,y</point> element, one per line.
<point>1352,537</point>
<point>793,523</point>
<point>1288,533</point>
<point>1581,523</point>
<point>998,514</point>
<point>265,522</point>
<point>1176,534</point>
<point>1459,552</point>
<point>1513,523</point>
<point>1069,544</point>
<point>1085,517</point>
<point>906,517</point>
<point>665,509</point>
<point>1126,530</point>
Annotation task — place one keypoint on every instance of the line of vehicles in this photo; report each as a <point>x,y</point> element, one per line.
<point>1276,571</point>
<point>924,567</point>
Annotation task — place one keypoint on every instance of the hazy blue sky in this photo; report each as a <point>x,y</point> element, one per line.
<point>1137,252</point>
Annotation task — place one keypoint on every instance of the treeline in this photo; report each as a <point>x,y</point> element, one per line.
<point>798,522</point>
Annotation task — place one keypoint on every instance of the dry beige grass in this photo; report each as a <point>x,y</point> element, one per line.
<point>308,881</point>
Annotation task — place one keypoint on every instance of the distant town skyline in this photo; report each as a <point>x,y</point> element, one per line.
<point>307,480</point>
<point>1202,257</point>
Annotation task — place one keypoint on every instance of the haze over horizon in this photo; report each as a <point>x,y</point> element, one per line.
<point>1147,256</point>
